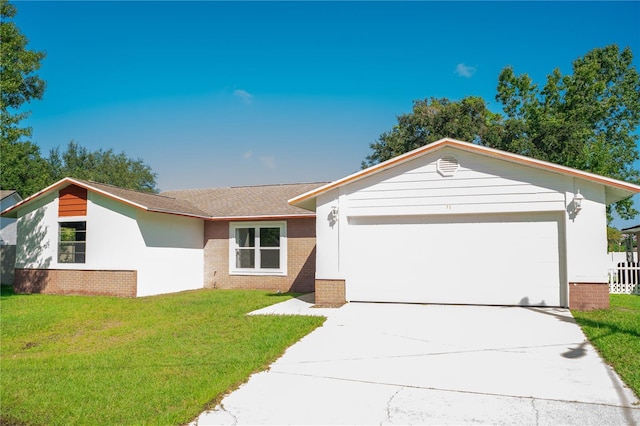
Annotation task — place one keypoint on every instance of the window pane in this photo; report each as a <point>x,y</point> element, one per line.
<point>270,259</point>
<point>67,234</point>
<point>72,242</point>
<point>245,258</point>
<point>79,252</point>
<point>269,237</point>
<point>245,237</point>
<point>65,254</point>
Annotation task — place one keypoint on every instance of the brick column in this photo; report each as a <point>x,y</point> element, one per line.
<point>330,293</point>
<point>588,296</point>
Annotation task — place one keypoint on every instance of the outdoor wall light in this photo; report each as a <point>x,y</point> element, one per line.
<point>334,211</point>
<point>577,202</point>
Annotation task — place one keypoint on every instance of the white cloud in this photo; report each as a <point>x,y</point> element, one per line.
<point>465,70</point>
<point>268,161</point>
<point>247,154</point>
<point>244,95</point>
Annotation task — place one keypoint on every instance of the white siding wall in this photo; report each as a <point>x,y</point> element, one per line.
<point>328,236</point>
<point>166,250</point>
<point>587,235</point>
<point>481,185</point>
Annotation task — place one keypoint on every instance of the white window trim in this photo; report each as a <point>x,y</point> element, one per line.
<point>282,271</point>
<point>71,219</point>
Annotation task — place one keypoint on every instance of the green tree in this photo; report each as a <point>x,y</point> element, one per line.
<point>432,119</point>
<point>101,166</point>
<point>585,120</point>
<point>21,166</point>
<point>615,239</point>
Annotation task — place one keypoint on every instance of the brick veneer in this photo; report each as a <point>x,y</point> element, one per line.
<point>588,296</point>
<point>81,282</point>
<point>301,261</point>
<point>330,293</point>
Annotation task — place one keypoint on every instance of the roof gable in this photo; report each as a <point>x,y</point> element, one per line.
<point>615,189</point>
<point>144,201</point>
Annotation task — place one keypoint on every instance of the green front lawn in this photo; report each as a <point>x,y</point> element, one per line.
<point>615,333</point>
<point>153,360</point>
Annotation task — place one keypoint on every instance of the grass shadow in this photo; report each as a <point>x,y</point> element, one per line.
<point>6,291</point>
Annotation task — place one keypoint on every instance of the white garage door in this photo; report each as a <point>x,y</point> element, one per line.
<point>509,259</point>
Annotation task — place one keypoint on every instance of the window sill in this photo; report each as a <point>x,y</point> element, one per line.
<point>263,272</point>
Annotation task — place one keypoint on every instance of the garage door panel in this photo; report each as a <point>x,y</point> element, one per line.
<point>501,260</point>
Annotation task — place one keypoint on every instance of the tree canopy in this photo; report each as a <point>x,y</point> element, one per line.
<point>21,166</point>
<point>585,120</point>
<point>432,119</point>
<point>18,79</point>
<point>101,166</point>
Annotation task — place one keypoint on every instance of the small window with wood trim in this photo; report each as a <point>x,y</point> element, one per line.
<point>72,242</point>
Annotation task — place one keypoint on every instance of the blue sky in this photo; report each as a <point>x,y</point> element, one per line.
<point>216,94</point>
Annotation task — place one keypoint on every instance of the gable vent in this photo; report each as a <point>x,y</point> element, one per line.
<point>448,165</point>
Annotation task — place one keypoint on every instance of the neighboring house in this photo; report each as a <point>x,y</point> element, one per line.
<point>80,237</point>
<point>8,233</point>
<point>454,222</point>
<point>634,230</point>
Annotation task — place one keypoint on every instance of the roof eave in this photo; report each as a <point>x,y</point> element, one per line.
<point>631,230</point>
<point>613,195</point>
<point>12,212</point>
<point>263,217</point>
<point>177,213</point>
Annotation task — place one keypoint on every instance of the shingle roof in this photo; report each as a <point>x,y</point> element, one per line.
<point>152,202</point>
<point>4,193</point>
<point>246,201</point>
<point>214,203</point>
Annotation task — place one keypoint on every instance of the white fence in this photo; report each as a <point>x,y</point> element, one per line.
<point>625,278</point>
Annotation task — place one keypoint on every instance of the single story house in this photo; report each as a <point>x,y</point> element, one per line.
<point>458,223</point>
<point>450,222</point>
<point>81,237</point>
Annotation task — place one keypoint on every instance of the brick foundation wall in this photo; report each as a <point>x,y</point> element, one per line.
<point>79,282</point>
<point>301,261</point>
<point>588,296</point>
<point>330,292</point>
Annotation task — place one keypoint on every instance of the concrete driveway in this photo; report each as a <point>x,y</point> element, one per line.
<point>433,364</point>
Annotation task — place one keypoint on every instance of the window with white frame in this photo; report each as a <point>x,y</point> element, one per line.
<point>72,242</point>
<point>258,248</point>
